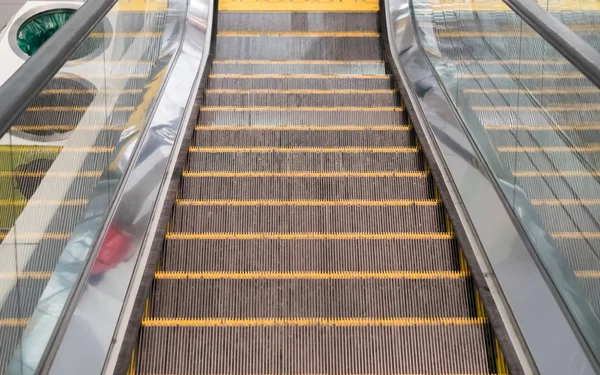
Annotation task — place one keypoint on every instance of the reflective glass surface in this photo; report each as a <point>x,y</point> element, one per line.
<point>536,121</point>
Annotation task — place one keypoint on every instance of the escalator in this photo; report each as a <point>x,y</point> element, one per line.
<point>307,235</point>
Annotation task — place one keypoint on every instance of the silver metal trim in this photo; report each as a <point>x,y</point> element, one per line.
<point>536,326</point>
<point>91,333</point>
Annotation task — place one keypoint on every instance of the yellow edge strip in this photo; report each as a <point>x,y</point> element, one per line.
<point>308,236</point>
<point>71,202</point>
<point>81,109</point>
<point>298,62</point>
<point>298,6</point>
<point>297,92</point>
<point>194,202</point>
<point>109,76</point>
<point>68,91</point>
<point>522,76</point>
<point>14,322</point>
<point>311,275</point>
<point>303,174</point>
<point>303,149</point>
<point>303,76</point>
<point>302,109</point>
<point>565,202</point>
<point>574,107</point>
<point>576,235</point>
<point>307,34</point>
<point>562,90</point>
<point>33,174</point>
<point>39,236</point>
<point>521,62</point>
<point>554,173</point>
<point>544,127</point>
<point>68,127</point>
<point>25,275</point>
<point>54,149</point>
<point>548,149</point>
<point>304,128</point>
<point>310,322</point>
<point>588,274</point>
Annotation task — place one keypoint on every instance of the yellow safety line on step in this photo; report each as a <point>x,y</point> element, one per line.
<point>310,275</point>
<point>544,127</point>
<point>548,149</point>
<point>299,6</point>
<point>317,150</point>
<point>508,62</point>
<point>25,275</point>
<point>301,109</point>
<point>302,76</point>
<point>304,34</point>
<point>38,174</point>
<point>297,62</point>
<point>522,75</point>
<point>562,90</point>
<point>14,322</point>
<point>55,149</point>
<point>78,92</point>
<point>304,128</point>
<point>311,322</point>
<point>38,236</point>
<point>317,203</point>
<point>576,235</point>
<point>81,109</point>
<point>300,92</point>
<point>554,173</point>
<point>588,274</point>
<point>214,174</point>
<point>571,108</point>
<point>68,202</point>
<point>309,236</point>
<point>141,6</point>
<point>565,202</point>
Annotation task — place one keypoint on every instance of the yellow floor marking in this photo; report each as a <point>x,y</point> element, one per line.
<point>565,202</point>
<point>310,275</point>
<point>317,150</point>
<point>39,236</point>
<point>141,6</point>
<point>310,322</point>
<point>38,174</point>
<point>304,174</point>
<point>25,275</point>
<point>140,34</point>
<point>544,127</point>
<point>575,107</point>
<point>299,92</point>
<point>299,6</point>
<point>305,34</point>
<point>576,235</point>
<point>308,236</point>
<point>522,76</point>
<point>305,128</point>
<point>303,76</point>
<point>77,92</point>
<point>318,203</point>
<point>508,62</point>
<point>588,274</point>
<point>55,149</point>
<point>549,149</point>
<point>14,322</point>
<point>81,109</point>
<point>301,109</point>
<point>298,62</point>
<point>69,202</point>
<point>67,127</point>
<point>561,90</point>
<point>555,173</point>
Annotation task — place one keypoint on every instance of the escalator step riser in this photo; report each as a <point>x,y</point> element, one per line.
<point>71,117</point>
<point>591,286</point>
<point>297,48</point>
<point>126,81</point>
<point>560,187</point>
<point>306,137</point>
<point>315,162</point>
<point>570,218</point>
<point>532,82</point>
<point>318,83</point>
<point>83,100</point>
<point>548,69</point>
<point>308,219</point>
<point>315,350</point>
<point>522,99</point>
<point>297,298</point>
<point>283,117</point>
<point>45,254</point>
<point>523,116</point>
<point>301,100</point>
<point>289,188</point>
<point>511,48</point>
<point>582,254</point>
<point>310,255</point>
<point>545,137</point>
<point>546,162</point>
<point>22,300</point>
<point>136,22</point>
<point>299,68</point>
<point>265,21</point>
<point>10,337</point>
<point>77,187</point>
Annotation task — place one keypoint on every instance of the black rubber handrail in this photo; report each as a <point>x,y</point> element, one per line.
<point>576,50</point>
<point>26,83</point>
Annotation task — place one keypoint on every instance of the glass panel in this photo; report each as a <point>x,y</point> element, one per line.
<point>581,16</point>
<point>60,166</point>
<point>536,120</point>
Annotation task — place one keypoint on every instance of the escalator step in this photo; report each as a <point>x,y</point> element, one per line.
<point>298,67</point>
<point>297,82</point>
<point>277,21</point>
<point>276,99</point>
